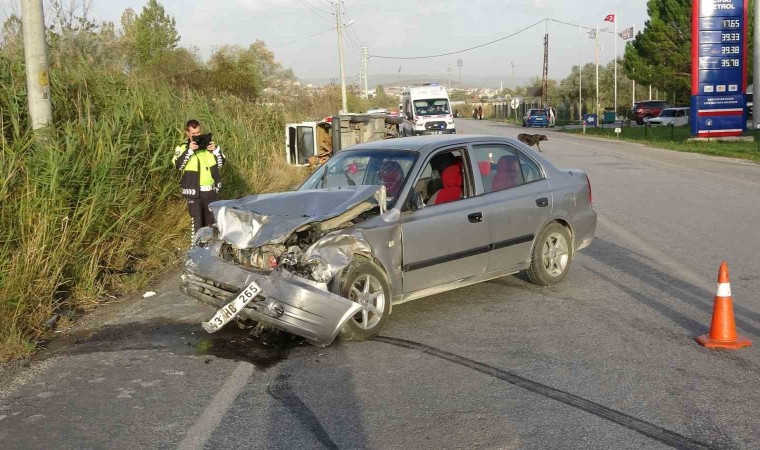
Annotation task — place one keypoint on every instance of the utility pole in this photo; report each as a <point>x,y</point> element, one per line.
<point>596,56</point>
<point>650,92</point>
<point>756,63</point>
<point>580,77</point>
<point>545,78</point>
<point>615,37</point>
<point>35,57</point>
<point>365,61</point>
<point>339,27</point>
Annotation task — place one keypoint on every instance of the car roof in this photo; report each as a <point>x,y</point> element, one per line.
<point>425,145</point>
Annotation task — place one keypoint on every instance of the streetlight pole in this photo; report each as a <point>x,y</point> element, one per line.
<point>344,104</point>
<point>35,58</point>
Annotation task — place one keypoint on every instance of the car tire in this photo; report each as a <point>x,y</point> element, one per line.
<point>393,120</point>
<point>363,118</point>
<point>551,257</point>
<point>353,285</point>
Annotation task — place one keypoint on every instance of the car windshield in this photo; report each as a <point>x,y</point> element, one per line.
<point>538,112</point>
<point>389,168</point>
<point>668,113</point>
<point>431,107</point>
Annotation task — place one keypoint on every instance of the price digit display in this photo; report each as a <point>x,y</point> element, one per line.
<point>731,23</point>
<point>730,37</point>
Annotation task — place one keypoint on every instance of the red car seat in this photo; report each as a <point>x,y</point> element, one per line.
<point>452,185</point>
<point>508,173</point>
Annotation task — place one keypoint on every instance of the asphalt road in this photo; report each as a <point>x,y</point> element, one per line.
<point>604,360</point>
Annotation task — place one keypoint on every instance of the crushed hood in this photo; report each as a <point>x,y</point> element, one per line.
<point>265,219</point>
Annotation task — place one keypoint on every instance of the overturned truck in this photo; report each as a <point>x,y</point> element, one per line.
<point>313,143</point>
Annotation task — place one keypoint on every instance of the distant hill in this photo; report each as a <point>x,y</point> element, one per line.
<point>407,79</point>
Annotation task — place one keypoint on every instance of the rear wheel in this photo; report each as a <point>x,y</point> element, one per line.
<point>552,255</point>
<point>364,283</point>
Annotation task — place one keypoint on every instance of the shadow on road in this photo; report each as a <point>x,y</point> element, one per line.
<point>181,338</point>
<point>623,260</point>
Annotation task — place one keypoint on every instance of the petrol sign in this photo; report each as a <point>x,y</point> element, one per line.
<point>719,68</point>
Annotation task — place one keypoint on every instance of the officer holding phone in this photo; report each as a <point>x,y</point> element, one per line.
<point>200,161</point>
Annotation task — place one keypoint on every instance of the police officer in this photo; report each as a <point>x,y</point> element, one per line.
<point>201,179</point>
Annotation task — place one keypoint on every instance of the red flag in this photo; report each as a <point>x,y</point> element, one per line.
<point>609,18</point>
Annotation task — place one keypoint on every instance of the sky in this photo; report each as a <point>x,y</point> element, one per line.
<point>400,28</point>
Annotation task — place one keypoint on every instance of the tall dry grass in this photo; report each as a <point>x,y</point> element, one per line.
<point>92,205</point>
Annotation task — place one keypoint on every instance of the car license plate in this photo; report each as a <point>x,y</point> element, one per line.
<point>436,132</point>
<point>232,309</point>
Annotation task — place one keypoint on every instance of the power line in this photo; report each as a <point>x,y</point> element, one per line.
<point>356,34</point>
<point>315,11</point>
<point>353,45</point>
<point>581,26</point>
<point>301,39</point>
<point>463,50</point>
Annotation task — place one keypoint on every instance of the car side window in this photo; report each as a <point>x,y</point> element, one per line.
<point>531,171</point>
<point>499,167</point>
<point>444,178</point>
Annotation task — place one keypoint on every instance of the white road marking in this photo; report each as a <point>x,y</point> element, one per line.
<point>197,436</point>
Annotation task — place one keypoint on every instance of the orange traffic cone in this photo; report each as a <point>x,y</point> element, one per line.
<point>723,328</point>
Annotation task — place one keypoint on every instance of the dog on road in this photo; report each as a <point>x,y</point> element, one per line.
<point>532,139</point>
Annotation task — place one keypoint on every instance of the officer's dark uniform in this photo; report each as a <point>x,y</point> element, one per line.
<point>200,182</point>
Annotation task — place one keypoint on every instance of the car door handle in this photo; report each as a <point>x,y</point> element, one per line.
<point>475,217</point>
<point>542,202</point>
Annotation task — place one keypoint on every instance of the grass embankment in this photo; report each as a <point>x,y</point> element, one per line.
<point>677,139</point>
<point>95,207</point>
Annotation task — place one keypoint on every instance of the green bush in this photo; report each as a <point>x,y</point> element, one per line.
<point>92,204</point>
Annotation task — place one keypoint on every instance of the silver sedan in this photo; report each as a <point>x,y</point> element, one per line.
<point>387,222</point>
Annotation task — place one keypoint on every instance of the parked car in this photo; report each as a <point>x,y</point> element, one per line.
<point>671,117</point>
<point>536,118</point>
<point>649,109</point>
<point>386,222</point>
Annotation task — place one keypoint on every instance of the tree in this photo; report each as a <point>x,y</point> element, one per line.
<point>660,55</point>
<point>154,32</point>
<point>382,99</point>
<point>237,71</point>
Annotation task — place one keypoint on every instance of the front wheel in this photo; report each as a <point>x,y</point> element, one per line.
<point>552,254</point>
<point>364,283</point>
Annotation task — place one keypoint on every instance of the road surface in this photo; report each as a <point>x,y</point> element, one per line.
<point>604,360</point>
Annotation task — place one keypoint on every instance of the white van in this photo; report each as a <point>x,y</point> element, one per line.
<point>427,110</point>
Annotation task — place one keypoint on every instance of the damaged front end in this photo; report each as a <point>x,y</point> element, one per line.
<point>289,246</point>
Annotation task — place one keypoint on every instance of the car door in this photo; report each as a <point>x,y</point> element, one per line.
<point>517,202</point>
<point>443,243</point>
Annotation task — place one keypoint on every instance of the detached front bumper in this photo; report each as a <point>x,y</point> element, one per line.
<point>287,302</point>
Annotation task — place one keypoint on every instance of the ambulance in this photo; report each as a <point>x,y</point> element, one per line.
<point>427,110</point>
